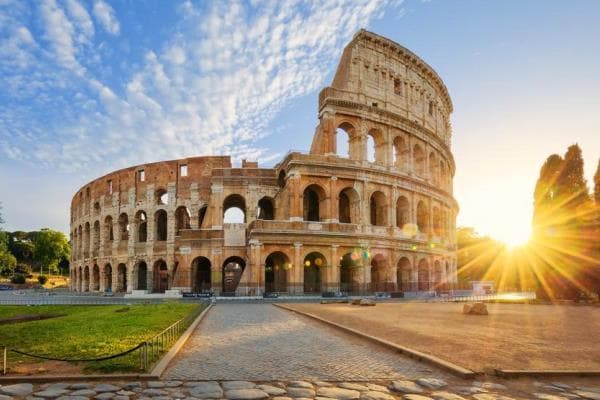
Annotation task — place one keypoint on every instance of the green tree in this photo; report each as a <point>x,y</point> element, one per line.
<point>8,262</point>
<point>597,185</point>
<point>544,196</point>
<point>50,247</point>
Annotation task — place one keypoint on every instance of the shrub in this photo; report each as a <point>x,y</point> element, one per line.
<point>42,279</point>
<point>18,278</point>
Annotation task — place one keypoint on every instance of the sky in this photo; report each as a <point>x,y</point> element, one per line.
<point>87,87</point>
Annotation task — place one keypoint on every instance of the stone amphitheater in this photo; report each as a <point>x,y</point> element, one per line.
<point>368,209</point>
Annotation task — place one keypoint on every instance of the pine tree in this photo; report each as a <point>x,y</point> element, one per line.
<point>572,187</point>
<point>597,185</point>
<point>545,191</point>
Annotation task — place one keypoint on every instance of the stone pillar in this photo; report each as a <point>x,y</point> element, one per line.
<point>296,211</point>
<point>333,280</point>
<point>298,268</point>
<point>333,200</point>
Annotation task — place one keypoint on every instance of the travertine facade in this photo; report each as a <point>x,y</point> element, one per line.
<point>380,218</point>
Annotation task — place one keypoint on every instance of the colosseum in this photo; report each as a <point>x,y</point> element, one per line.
<point>368,209</point>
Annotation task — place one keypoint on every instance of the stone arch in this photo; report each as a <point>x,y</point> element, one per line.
<point>313,201</point>
<point>313,265</point>
<point>86,240</point>
<point>121,278</point>
<point>378,273</point>
<point>182,219</point>
<point>202,215</point>
<point>422,217</point>
<point>107,278</point>
<point>123,227</point>
<point>234,209</point>
<point>419,160</point>
<point>277,265</point>
<point>281,179</point>
<point>86,279</point>
<point>375,147</point>
<point>423,273</point>
<point>140,275</point>
<point>378,209</point>
<point>438,274</point>
<point>348,206</point>
<point>343,134</point>
<point>160,276</point>
<point>96,238</point>
<point>401,153</point>
<point>80,284</point>
<point>161,197</point>
<point>141,220</point>
<point>404,275</point>
<point>233,268</point>
<point>433,169</point>
<point>160,222</point>
<point>402,211</point>
<point>350,270</point>
<point>266,209</point>
<point>108,228</point>
<point>437,221</point>
<point>201,275</point>
<point>95,278</point>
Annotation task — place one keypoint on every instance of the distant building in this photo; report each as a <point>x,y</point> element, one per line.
<point>379,218</point>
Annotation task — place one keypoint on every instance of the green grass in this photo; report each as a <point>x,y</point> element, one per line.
<point>88,331</point>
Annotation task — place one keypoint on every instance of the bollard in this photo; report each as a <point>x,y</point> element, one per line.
<point>5,361</point>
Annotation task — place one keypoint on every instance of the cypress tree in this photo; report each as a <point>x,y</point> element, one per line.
<point>597,185</point>
<point>545,191</point>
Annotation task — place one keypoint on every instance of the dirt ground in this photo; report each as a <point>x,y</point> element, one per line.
<point>512,336</point>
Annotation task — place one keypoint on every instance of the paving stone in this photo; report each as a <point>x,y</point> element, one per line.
<point>338,393</point>
<point>589,389</point>
<point>373,395</point>
<point>80,386</point>
<point>173,384</point>
<point>446,396</point>
<point>431,383</point>
<point>59,385</point>
<point>126,393</point>
<point>105,396</point>
<point>5,397</point>
<point>155,392</point>
<point>490,385</point>
<point>155,385</point>
<point>322,384</point>
<point>303,398</point>
<point>491,396</point>
<point>586,394</point>
<point>470,390</point>
<point>178,395</point>
<point>377,388</point>
<point>71,397</point>
<point>416,397</point>
<point>245,394</point>
<point>323,398</point>
<point>405,387</point>
<point>353,386</point>
<point>300,392</point>
<point>132,385</point>
<point>281,398</point>
<point>106,387</point>
<point>51,393</point>
<point>546,396</point>
<point>561,385</point>
<point>233,385</point>
<point>120,397</point>
<point>206,390</point>
<point>19,389</point>
<point>300,384</point>
<point>83,392</point>
<point>271,390</point>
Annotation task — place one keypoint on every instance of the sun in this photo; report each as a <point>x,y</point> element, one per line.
<point>514,236</point>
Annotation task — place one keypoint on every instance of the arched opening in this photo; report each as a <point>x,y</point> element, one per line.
<point>96,238</point>
<point>233,268</point>
<point>108,278</point>
<point>96,208</point>
<point>378,209</point>
<point>160,220</point>
<point>95,278</point>
<point>342,140</point>
<point>234,209</point>
<point>277,266</point>
<point>437,221</point>
<point>201,215</point>
<point>400,153</point>
<point>312,197</point>
<point>350,265</point>
<point>80,280</point>
<point>86,279</point>
<point>314,263</point>
<point>160,277</point>
<point>108,227</point>
<point>182,218</point>
<point>371,151</point>
<point>402,211</point>
<point>349,206</point>
<point>281,179</point>
<point>375,147</point>
<point>80,241</point>
<point>419,160</point>
<point>86,240</point>
<point>265,209</point>
<point>433,169</point>
<point>201,275</point>
<point>141,281</point>
<point>121,278</point>
<point>141,220</point>
<point>443,173</point>
<point>378,274</point>
<point>123,227</point>
<point>437,274</point>
<point>162,197</point>
<point>423,272</point>
<point>403,275</point>
<point>422,217</point>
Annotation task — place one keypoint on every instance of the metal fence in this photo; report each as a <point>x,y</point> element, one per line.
<point>146,352</point>
<point>504,296</point>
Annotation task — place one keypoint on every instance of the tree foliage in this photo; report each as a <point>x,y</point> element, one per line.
<point>50,247</point>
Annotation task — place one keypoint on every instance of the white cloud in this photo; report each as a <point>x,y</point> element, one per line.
<point>106,16</point>
<point>81,19</point>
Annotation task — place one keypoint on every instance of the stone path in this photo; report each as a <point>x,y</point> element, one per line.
<point>421,389</point>
<point>261,342</point>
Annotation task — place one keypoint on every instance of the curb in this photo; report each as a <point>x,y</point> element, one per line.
<point>516,373</point>
<point>162,365</point>
<point>415,354</point>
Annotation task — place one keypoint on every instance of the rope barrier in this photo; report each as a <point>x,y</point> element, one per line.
<point>79,359</point>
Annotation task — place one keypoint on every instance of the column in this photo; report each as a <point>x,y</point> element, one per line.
<point>298,268</point>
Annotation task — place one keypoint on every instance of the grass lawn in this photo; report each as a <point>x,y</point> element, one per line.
<point>512,336</point>
<point>85,332</point>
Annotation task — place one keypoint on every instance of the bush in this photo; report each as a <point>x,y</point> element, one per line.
<point>42,279</point>
<point>18,278</point>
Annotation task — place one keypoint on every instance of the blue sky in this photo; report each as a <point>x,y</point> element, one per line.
<point>87,87</point>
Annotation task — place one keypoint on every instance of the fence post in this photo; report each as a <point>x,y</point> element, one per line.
<point>5,361</point>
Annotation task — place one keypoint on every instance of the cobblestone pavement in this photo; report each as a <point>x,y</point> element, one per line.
<point>420,389</point>
<point>263,342</point>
